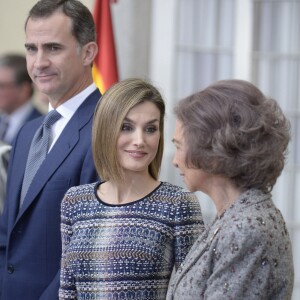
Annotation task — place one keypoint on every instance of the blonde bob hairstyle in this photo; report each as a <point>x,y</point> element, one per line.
<point>109,116</point>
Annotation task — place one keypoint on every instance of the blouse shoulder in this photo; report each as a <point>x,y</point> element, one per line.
<point>181,198</point>
<point>77,192</point>
<point>176,191</point>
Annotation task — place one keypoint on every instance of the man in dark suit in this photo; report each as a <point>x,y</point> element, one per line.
<point>16,91</point>
<point>61,47</point>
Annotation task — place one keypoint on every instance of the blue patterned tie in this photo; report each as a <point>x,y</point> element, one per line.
<point>38,150</point>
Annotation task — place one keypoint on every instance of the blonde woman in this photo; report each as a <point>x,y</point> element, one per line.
<point>123,236</point>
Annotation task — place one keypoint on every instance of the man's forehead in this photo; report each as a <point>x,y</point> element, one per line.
<point>56,22</point>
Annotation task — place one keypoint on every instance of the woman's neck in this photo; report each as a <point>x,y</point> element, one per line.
<point>131,189</point>
<point>223,193</point>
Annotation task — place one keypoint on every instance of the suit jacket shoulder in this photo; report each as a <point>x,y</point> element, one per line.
<point>35,113</point>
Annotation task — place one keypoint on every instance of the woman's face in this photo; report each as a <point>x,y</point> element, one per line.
<point>139,138</point>
<point>195,179</point>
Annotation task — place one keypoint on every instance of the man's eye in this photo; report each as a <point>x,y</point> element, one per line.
<point>54,48</point>
<point>30,49</point>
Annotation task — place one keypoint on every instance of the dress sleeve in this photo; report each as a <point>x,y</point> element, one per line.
<point>67,288</point>
<point>188,225</point>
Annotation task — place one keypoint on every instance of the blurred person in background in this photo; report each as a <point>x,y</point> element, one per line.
<point>16,95</point>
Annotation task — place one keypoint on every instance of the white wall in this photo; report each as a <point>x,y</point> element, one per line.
<point>13,14</point>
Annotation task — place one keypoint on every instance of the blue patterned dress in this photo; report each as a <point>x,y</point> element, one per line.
<point>125,251</point>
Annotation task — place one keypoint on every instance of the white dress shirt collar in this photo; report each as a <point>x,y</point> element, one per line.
<point>67,110</point>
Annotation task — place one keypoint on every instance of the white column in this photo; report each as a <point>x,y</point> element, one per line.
<point>243,39</point>
<point>161,70</point>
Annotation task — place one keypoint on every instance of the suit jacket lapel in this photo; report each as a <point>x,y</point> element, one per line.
<point>64,145</point>
<point>62,148</point>
<point>198,249</point>
<point>17,168</point>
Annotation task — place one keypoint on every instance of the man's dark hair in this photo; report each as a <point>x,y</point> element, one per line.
<point>83,26</point>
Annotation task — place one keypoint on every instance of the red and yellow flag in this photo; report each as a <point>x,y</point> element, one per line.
<point>105,71</point>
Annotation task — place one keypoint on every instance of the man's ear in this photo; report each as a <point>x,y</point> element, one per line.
<point>89,52</point>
